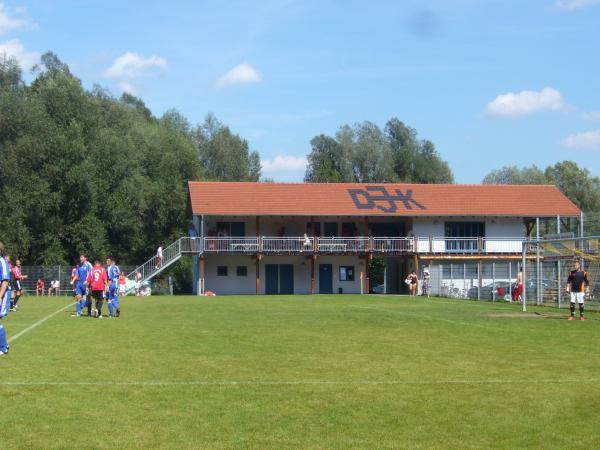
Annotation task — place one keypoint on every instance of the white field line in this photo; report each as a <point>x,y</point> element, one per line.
<point>299,382</point>
<point>424,316</point>
<point>38,323</point>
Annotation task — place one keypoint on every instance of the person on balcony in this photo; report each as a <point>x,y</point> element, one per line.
<point>306,244</point>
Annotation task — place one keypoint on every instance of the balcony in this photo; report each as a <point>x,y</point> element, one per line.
<point>360,245</point>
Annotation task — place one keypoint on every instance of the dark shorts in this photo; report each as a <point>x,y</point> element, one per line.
<point>17,285</point>
<point>98,295</point>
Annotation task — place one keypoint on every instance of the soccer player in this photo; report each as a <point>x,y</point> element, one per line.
<point>17,276</point>
<point>577,285</point>
<point>113,274</point>
<point>73,282</point>
<point>83,270</point>
<point>97,280</point>
<point>4,298</point>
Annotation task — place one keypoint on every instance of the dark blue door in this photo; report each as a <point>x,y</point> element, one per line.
<point>271,279</point>
<point>325,279</point>
<point>286,279</point>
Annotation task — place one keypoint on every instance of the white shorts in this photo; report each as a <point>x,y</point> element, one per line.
<point>577,297</point>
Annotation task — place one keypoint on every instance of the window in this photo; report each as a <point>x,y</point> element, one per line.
<point>346,273</point>
<point>331,229</point>
<point>464,229</point>
<point>233,229</point>
<point>221,271</point>
<point>242,271</point>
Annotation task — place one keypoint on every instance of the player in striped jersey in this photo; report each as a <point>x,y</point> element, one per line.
<point>17,277</point>
<point>5,293</point>
<point>113,272</point>
<point>81,287</point>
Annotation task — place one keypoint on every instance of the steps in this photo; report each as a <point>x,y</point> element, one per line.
<point>171,254</point>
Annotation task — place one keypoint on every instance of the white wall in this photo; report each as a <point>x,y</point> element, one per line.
<point>501,227</point>
<point>234,285</point>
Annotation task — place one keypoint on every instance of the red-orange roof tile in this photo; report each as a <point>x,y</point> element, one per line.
<point>376,199</point>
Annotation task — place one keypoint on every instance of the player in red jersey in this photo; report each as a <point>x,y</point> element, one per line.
<point>17,288</point>
<point>96,281</point>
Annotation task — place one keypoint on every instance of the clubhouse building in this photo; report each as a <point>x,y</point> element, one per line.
<point>313,238</point>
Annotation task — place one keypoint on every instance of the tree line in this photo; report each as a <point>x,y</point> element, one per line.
<point>82,171</point>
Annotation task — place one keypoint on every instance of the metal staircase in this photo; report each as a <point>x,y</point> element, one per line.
<point>171,254</point>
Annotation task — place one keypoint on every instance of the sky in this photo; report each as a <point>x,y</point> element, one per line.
<point>491,82</point>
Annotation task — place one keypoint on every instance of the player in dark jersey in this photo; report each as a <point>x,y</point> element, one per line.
<point>97,281</point>
<point>578,285</point>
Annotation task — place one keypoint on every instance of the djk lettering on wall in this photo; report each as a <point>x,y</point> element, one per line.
<point>378,197</point>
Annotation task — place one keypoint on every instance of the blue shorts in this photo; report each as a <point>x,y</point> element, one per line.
<point>81,289</point>
<point>113,293</point>
<point>5,303</point>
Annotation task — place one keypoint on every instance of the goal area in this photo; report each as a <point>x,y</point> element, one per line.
<point>546,266</point>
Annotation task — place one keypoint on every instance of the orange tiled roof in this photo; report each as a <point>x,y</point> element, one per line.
<point>376,199</point>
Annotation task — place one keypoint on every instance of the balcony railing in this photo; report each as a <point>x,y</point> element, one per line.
<point>393,245</point>
<point>331,245</point>
<point>287,244</point>
<point>343,245</point>
<point>231,245</point>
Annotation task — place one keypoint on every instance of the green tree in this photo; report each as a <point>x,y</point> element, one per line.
<point>328,161</point>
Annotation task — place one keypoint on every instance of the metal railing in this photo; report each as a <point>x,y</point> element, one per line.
<point>231,245</point>
<point>286,244</point>
<point>469,245</point>
<point>170,255</point>
<point>343,245</point>
<point>393,245</point>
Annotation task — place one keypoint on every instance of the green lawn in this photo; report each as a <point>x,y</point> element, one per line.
<point>301,372</point>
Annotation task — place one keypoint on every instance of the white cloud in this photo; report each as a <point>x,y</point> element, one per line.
<point>575,4</point>
<point>243,73</point>
<point>15,48</point>
<point>525,102</point>
<point>283,163</point>
<point>9,22</point>
<point>593,116</point>
<point>133,65</point>
<point>588,140</point>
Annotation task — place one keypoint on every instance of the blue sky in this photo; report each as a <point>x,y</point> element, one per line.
<point>491,83</point>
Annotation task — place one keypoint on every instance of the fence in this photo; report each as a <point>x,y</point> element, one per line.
<point>548,265</point>
<point>495,281</point>
<point>49,274</point>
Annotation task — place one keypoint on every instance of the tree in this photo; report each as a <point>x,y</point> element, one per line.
<point>576,183</point>
<point>516,175</point>
<point>328,161</point>
<point>366,154</point>
<point>225,156</point>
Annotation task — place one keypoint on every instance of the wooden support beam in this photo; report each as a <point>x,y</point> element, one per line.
<point>312,273</point>
<point>258,258</point>
<point>367,275</point>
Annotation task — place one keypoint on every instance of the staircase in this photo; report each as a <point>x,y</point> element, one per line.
<point>171,254</point>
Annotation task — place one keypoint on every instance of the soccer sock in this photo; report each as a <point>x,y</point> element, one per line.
<point>17,297</point>
<point>110,308</point>
<point>572,309</point>
<point>3,343</point>
<point>12,303</point>
<point>581,309</point>
<point>99,307</point>
<point>78,306</point>
<point>88,305</point>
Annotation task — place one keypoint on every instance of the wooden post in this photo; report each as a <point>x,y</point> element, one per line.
<point>416,263</point>
<point>367,277</point>
<point>312,273</point>
<point>200,286</point>
<point>258,258</point>
<point>314,233</point>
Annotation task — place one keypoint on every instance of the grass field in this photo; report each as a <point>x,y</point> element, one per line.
<point>300,372</point>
